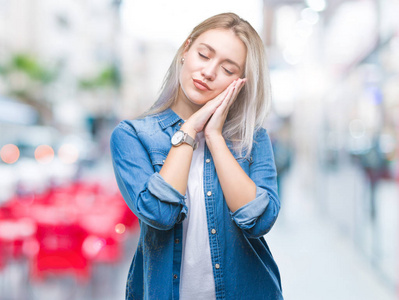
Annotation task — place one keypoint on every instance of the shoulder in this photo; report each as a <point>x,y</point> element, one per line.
<point>261,135</point>
<point>130,130</point>
<point>152,123</point>
<point>262,144</point>
<point>147,124</point>
<point>153,132</point>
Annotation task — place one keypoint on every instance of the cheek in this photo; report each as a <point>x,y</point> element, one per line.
<point>184,76</point>
<point>225,83</point>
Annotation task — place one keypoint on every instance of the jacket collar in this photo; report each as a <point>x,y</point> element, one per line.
<point>168,118</point>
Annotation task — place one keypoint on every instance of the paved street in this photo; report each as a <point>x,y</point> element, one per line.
<point>318,261</point>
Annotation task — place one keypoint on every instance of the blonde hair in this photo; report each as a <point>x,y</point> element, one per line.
<point>248,112</point>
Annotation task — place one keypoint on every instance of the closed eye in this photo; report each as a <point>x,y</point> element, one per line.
<point>227,71</point>
<point>202,55</point>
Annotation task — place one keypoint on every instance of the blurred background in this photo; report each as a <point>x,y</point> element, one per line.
<point>71,70</point>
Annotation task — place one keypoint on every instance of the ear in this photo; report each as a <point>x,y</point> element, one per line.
<point>186,46</point>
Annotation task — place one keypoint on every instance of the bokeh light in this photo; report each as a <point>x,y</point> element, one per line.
<point>44,154</point>
<point>68,153</point>
<point>120,228</point>
<point>9,153</point>
<point>92,245</point>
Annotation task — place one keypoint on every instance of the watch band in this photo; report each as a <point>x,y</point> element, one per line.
<point>189,140</point>
<point>181,137</point>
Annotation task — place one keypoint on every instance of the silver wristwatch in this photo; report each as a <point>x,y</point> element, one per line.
<point>181,137</point>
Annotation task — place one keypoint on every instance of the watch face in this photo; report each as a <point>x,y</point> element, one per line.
<point>177,138</point>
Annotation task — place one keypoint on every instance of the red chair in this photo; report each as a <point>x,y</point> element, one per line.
<point>60,252</point>
<point>103,223</point>
<point>13,235</point>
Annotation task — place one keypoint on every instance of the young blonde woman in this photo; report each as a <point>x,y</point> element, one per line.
<point>198,171</point>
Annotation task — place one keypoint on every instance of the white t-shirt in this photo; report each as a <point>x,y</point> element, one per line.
<point>196,274</point>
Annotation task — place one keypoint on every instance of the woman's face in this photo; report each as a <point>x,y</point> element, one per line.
<point>211,63</point>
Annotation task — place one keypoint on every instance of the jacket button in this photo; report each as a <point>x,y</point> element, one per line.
<point>179,124</point>
<point>208,161</point>
<point>209,193</point>
<point>213,231</point>
<point>217,266</point>
<point>177,241</point>
<point>163,161</point>
<point>175,276</point>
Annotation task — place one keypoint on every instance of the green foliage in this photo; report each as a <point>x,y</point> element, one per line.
<point>29,65</point>
<point>32,68</point>
<point>108,77</point>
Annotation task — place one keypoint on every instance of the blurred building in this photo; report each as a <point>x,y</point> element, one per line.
<point>59,82</point>
<point>78,40</point>
<point>335,71</point>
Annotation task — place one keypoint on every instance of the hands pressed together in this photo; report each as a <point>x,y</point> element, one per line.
<point>237,187</point>
<point>211,117</point>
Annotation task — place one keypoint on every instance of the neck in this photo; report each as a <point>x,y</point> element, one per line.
<point>183,106</point>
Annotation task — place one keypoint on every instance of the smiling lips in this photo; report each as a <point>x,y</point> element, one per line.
<point>201,85</point>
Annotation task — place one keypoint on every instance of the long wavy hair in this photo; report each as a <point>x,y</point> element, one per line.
<point>249,110</point>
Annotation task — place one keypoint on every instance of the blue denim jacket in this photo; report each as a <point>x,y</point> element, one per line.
<point>243,266</point>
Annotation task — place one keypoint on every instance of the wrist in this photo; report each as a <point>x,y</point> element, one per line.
<point>214,138</point>
<point>187,128</point>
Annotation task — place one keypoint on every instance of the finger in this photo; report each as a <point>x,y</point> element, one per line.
<point>239,86</point>
<point>220,113</point>
<point>217,101</point>
<point>224,105</point>
<point>226,93</point>
<point>212,106</point>
<point>242,83</point>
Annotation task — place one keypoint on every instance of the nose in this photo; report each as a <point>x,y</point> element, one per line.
<point>209,71</point>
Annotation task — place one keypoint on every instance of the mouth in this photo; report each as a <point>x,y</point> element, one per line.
<point>201,85</point>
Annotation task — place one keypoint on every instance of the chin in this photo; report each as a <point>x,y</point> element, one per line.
<point>196,98</point>
<point>199,101</point>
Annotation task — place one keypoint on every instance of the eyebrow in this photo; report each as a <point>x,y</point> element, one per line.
<point>228,60</point>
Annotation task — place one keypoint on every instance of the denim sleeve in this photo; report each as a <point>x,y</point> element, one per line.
<point>257,217</point>
<point>148,195</point>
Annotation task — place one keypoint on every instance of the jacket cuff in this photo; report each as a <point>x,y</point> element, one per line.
<point>163,191</point>
<point>246,216</point>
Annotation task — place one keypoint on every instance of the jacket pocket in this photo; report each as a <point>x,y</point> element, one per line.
<point>157,159</point>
